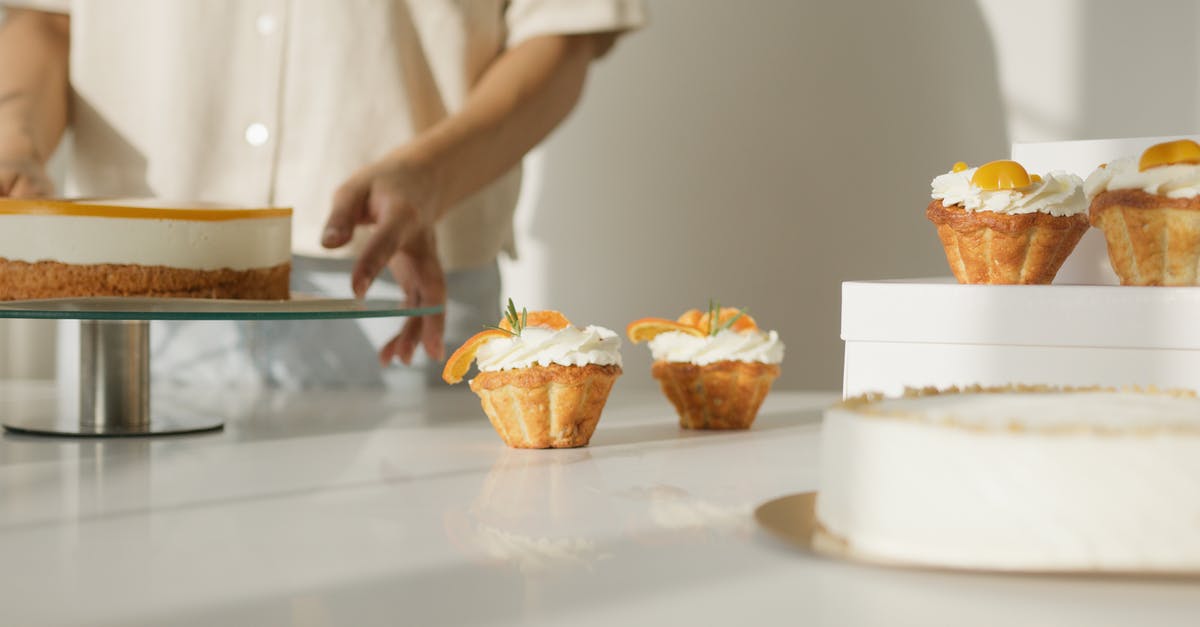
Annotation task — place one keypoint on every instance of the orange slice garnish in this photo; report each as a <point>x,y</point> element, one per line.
<point>460,360</point>
<point>691,318</point>
<point>546,318</point>
<point>647,329</point>
<point>744,323</point>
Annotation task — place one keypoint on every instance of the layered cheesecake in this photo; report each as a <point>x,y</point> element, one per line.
<point>58,249</point>
<point>1023,479</point>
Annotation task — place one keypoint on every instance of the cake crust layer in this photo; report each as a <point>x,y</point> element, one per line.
<point>1138,199</point>
<point>1152,240</point>
<point>959,219</point>
<point>537,376</point>
<point>720,395</point>
<point>21,280</point>
<point>984,247</point>
<point>545,406</point>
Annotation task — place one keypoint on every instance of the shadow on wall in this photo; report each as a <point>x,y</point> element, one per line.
<point>761,157</point>
<point>1140,78</point>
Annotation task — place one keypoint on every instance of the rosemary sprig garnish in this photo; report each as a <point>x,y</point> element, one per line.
<point>715,325</point>
<point>729,323</point>
<point>515,320</point>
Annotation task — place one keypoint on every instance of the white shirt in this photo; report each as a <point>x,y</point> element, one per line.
<point>277,102</point>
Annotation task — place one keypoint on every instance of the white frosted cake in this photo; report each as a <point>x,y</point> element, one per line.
<point>52,249</point>
<point>1024,479</point>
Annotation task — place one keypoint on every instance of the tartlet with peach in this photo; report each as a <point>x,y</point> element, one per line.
<point>1149,210</point>
<point>1000,225</point>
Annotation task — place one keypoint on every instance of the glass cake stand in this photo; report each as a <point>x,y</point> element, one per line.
<point>114,351</point>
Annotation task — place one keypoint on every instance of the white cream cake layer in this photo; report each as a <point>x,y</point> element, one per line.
<point>1092,481</point>
<point>239,244</point>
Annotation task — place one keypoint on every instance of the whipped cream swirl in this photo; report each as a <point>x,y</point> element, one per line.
<point>728,345</point>
<point>1181,180</point>
<point>542,346</point>
<point>1058,194</point>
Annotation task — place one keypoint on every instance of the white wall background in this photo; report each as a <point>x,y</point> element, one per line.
<point>761,152</point>
<point>1086,69</point>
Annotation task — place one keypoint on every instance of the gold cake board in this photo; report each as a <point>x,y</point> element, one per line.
<point>792,519</point>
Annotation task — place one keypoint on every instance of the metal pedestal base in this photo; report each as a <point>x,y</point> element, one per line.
<point>114,392</point>
<point>45,423</point>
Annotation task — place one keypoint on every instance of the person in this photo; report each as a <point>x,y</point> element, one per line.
<point>394,129</point>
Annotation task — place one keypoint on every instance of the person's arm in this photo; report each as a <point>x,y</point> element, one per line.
<point>34,94</point>
<point>522,96</point>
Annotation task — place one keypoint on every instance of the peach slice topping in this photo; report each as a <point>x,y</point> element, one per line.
<point>1169,153</point>
<point>999,175</point>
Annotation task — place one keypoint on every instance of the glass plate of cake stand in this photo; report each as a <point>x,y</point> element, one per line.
<point>114,397</point>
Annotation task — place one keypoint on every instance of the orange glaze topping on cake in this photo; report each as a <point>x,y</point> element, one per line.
<point>136,209</point>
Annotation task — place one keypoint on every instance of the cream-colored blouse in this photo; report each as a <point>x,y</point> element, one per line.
<point>278,101</point>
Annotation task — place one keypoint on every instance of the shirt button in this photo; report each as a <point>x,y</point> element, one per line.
<point>257,134</point>
<point>266,24</point>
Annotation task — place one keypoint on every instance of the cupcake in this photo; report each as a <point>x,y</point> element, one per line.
<point>1150,214</point>
<point>715,368</point>
<point>999,225</point>
<point>542,382</point>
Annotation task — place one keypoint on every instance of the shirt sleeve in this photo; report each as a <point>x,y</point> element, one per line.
<point>49,6</point>
<point>526,19</point>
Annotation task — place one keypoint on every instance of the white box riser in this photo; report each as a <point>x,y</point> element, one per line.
<point>890,367</point>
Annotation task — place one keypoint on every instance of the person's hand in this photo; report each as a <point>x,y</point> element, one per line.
<point>22,174</point>
<point>395,197</point>
<point>418,271</point>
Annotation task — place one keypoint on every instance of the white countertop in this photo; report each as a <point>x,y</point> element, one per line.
<point>340,509</point>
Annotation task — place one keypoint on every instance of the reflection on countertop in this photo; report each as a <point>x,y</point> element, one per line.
<point>347,508</point>
<point>532,511</point>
